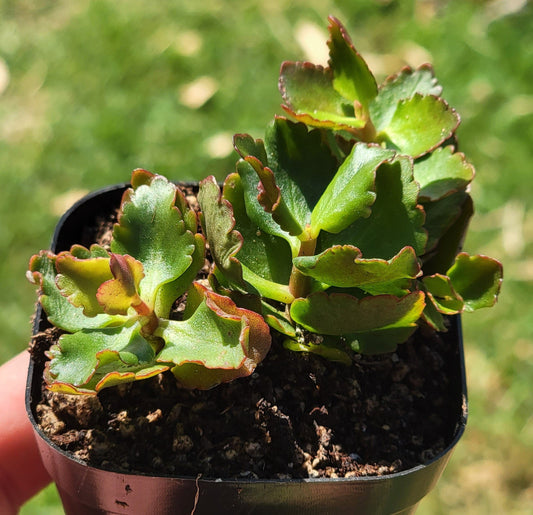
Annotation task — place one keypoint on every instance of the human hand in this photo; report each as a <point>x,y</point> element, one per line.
<point>22,473</point>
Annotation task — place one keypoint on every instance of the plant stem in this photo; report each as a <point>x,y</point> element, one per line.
<point>149,320</point>
<point>149,324</point>
<point>367,133</point>
<point>300,284</point>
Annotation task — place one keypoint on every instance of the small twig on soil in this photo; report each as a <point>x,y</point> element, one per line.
<point>197,495</point>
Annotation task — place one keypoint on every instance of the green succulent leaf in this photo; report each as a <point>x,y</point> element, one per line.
<point>269,289</point>
<point>302,165</point>
<point>61,313</point>
<point>246,146</point>
<point>442,173</point>
<point>446,222</point>
<point>477,279</point>
<point>336,97</point>
<point>224,217</point>
<point>399,87</point>
<point>351,192</point>
<point>341,314</point>
<point>396,220</point>
<point>206,338</point>
<point>149,220</point>
<point>343,266</point>
<point>331,348</point>
<point>250,182</point>
<point>91,359</point>
<point>265,259</point>
<point>270,198</point>
<point>299,168</point>
<point>117,295</point>
<point>310,97</point>
<point>278,320</point>
<point>432,316</point>
<point>256,212</point>
<point>218,343</point>
<point>419,124</point>
<point>351,76</point>
<point>218,223</point>
<point>141,177</point>
<point>78,279</point>
<point>250,259</point>
<point>173,290</point>
<point>267,255</point>
<point>441,215</point>
<point>443,295</point>
<point>380,340</point>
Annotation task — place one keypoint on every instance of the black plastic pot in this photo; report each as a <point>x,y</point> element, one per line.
<point>88,490</point>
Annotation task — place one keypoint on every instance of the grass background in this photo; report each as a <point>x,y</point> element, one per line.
<point>90,90</point>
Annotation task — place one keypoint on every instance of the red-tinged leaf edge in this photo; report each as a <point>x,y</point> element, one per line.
<point>476,288</point>
<point>259,340</point>
<point>92,307</point>
<point>234,270</point>
<point>269,195</point>
<point>306,117</point>
<point>336,27</point>
<point>409,71</point>
<point>444,135</point>
<point>114,378</point>
<point>35,277</point>
<point>110,379</point>
<point>414,299</point>
<point>255,341</point>
<point>117,295</point>
<point>140,177</point>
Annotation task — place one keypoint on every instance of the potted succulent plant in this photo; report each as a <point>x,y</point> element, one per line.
<point>327,303</point>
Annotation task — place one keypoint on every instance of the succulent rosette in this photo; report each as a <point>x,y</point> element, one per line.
<point>347,223</point>
<point>115,304</point>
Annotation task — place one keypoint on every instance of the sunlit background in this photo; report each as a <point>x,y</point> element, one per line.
<point>90,90</point>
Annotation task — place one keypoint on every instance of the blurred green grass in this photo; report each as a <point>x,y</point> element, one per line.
<point>90,90</point>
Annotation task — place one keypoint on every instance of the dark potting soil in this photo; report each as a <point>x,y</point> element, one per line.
<point>297,416</point>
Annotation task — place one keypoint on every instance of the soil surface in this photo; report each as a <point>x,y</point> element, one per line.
<point>297,416</point>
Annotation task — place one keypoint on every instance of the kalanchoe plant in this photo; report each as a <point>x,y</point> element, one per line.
<point>348,227</point>
<point>115,303</point>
